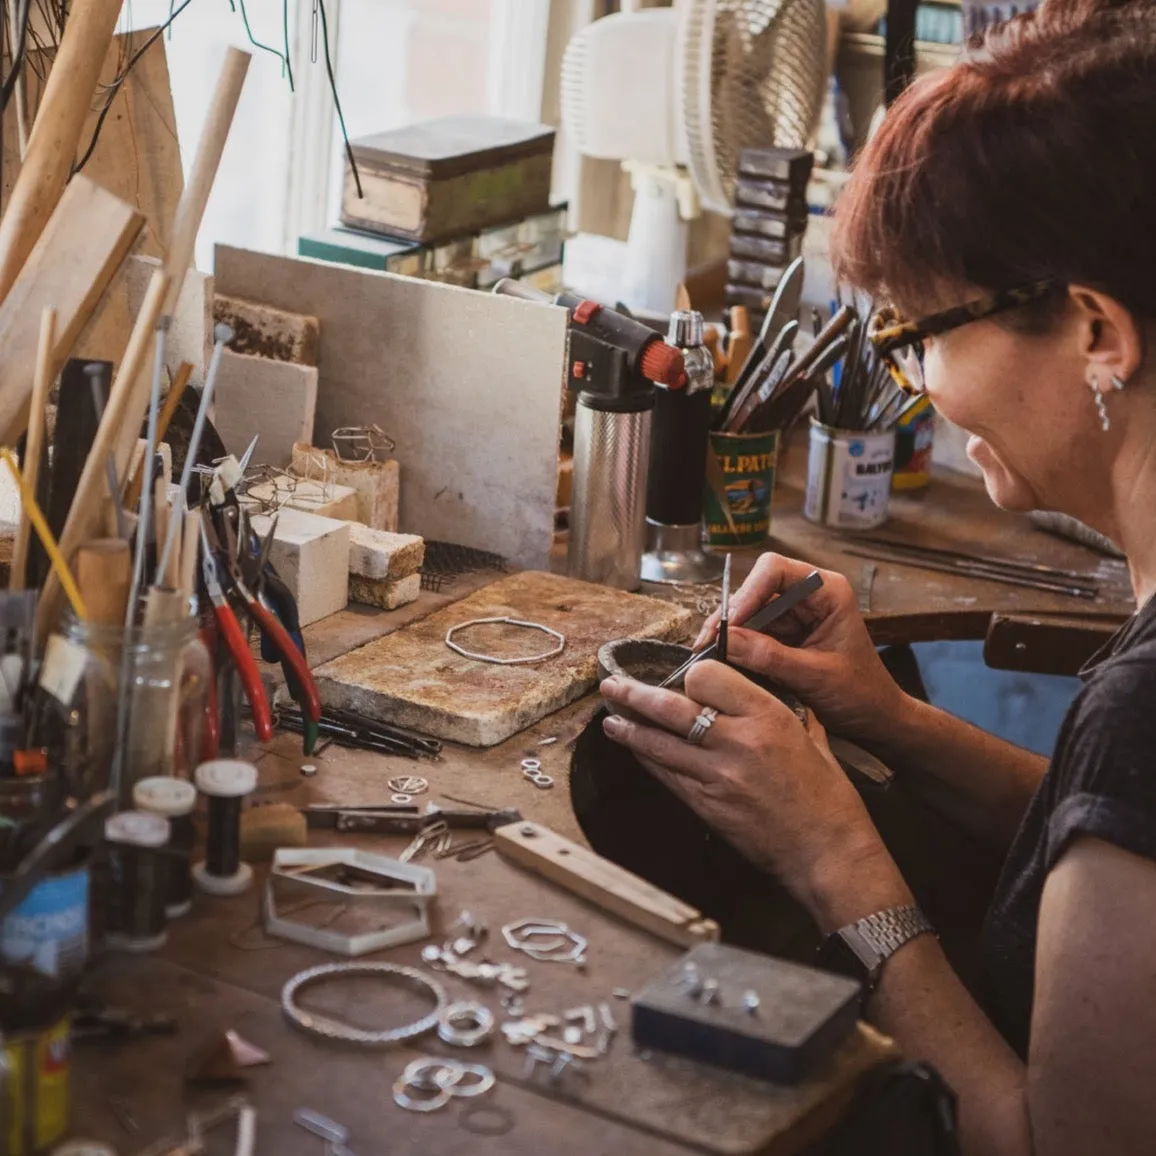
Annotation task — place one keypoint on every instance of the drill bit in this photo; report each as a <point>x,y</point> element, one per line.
<point>724,612</point>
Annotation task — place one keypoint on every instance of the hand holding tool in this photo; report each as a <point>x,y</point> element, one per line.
<point>760,622</point>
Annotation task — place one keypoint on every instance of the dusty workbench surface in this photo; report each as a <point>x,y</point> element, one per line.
<point>219,971</point>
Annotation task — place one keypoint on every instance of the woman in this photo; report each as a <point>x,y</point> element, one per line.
<point>1030,168</point>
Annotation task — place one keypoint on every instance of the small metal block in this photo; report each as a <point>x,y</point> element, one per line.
<point>751,1002</point>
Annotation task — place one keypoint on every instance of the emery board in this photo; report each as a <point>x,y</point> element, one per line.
<point>468,384</point>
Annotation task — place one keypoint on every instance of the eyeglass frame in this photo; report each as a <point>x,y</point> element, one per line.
<point>888,335</point>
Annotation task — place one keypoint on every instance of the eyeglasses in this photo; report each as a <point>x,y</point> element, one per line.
<point>890,334</point>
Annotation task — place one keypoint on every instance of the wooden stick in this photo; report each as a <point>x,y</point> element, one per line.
<point>190,545</point>
<point>162,515</point>
<point>34,447</point>
<point>56,132</point>
<point>172,400</point>
<point>120,426</point>
<point>103,573</point>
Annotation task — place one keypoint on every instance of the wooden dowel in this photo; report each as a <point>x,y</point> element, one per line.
<point>129,397</point>
<point>34,447</point>
<point>190,546</point>
<point>103,570</point>
<point>55,136</point>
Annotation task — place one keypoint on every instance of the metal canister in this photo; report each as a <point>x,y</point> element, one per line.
<point>34,1088</point>
<point>848,477</point>
<point>608,514</point>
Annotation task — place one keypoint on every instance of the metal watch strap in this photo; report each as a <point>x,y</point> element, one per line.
<point>882,934</point>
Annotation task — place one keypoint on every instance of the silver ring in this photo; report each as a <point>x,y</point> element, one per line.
<point>485,1081</point>
<point>531,764</point>
<point>403,1099</point>
<point>542,782</point>
<point>465,1024</point>
<point>400,799</point>
<point>408,784</point>
<point>701,725</point>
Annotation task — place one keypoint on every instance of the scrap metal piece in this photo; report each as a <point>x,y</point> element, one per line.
<point>362,443</point>
<point>866,585</point>
<point>354,877</point>
<point>408,784</point>
<point>321,1126</point>
<point>223,1056</point>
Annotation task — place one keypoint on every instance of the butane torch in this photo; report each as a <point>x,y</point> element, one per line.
<point>614,364</point>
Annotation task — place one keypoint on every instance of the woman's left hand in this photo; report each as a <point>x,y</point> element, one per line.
<point>759,778</point>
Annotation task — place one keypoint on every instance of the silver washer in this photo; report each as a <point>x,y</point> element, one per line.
<point>400,799</point>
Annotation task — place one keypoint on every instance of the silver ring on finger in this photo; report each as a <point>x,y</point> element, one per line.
<point>701,725</point>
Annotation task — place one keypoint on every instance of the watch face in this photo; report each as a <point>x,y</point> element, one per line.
<point>836,955</point>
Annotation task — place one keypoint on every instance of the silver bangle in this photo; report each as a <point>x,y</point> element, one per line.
<point>326,1028</point>
<point>457,648</point>
<point>465,1024</point>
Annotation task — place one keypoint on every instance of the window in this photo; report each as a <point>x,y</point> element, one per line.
<point>396,61</point>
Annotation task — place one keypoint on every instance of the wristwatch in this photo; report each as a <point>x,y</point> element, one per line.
<point>860,949</point>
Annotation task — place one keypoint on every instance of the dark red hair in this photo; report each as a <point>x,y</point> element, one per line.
<point>1033,158</point>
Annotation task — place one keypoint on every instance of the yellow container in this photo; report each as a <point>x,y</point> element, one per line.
<point>34,1089</point>
<point>914,438</point>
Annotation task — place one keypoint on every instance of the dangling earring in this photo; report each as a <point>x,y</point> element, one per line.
<point>1101,406</point>
<point>1117,381</point>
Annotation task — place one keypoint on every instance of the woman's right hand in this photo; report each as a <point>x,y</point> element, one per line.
<point>821,650</point>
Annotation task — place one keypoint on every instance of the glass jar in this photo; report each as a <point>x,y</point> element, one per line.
<point>152,690</point>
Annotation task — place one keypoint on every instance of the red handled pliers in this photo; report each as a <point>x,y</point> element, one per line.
<point>230,632</point>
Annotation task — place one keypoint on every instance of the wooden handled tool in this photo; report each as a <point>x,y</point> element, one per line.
<point>52,146</point>
<point>605,884</point>
<point>172,400</point>
<point>739,343</point>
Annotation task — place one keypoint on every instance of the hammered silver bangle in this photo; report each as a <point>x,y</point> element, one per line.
<point>330,1029</point>
<point>496,660</point>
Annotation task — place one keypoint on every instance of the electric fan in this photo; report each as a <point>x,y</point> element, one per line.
<point>676,94</point>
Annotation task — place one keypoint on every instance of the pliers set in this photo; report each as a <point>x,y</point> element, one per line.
<point>238,578</point>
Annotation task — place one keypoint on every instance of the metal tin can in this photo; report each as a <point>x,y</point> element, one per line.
<point>848,477</point>
<point>914,439</point>
<point>34,1089</point>
<point>740,483</point>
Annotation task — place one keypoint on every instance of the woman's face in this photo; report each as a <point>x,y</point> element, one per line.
<point>1032,417</point>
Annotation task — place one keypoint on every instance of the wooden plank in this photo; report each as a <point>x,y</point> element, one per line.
<point>81,248</point>
<point>412,678</point>
<point>605,884</point>
<point>468,384</point>
<point>55,134</point>
<point>137,155</point>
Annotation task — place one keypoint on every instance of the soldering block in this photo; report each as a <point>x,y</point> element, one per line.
<point>383,556</point>
<point>377,483</point>
<point>267,332</point>
<point>325,499</point>
<point>387,595</point>
<point>312,556</point>
<point>802,1016</point>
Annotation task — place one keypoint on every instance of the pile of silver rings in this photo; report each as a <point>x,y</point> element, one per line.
<point>532,770</point>
<point>429,1083</point>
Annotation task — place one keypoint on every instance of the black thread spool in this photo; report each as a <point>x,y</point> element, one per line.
<point>173,799</point>
<point>137,878</point>
<point>225,782</point>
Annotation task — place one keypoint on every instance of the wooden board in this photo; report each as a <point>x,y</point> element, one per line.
<point>412,678</point>
<point>469,385</point>
<point>77,255</point>
<point>137,155</point>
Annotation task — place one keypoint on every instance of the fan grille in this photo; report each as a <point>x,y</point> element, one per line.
<point>764,65</point>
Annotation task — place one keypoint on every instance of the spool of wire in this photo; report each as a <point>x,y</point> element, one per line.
<point>225,782</point>
<point>173,799</point>
<point>137,877</point>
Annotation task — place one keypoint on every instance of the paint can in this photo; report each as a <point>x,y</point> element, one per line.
<point>740,484</point>
<point>49,930</point>
<point>914,439</point>
<point>34,1078</point>
<point>848,477</point>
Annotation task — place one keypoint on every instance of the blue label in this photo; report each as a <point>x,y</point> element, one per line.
<point>855,449</point>
<point>49,930</point>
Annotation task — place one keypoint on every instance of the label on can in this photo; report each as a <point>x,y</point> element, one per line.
<point>36,1089</point>
<point>914,441</point>
<point>49,930</point>
<point>740,482</point>
<point>848,478</point>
